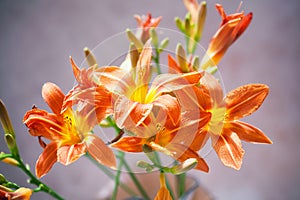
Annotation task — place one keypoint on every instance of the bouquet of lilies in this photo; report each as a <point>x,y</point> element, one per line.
<point>153,112</point>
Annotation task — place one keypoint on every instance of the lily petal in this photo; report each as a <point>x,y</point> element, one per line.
<point>42,123</point>
<point>53,96</point>
<point>214,88</point>
<point>228,147</point>
<point>46,160</point>
<point>163,192</point>
<point>171,82</point>
<point>248,132</point>
<point>191,132</point>
<point>143,69</point>
<point>130,114</point>
<point>181,153</point>
<point>130,144</point>
<point>115,79</point>
<point>170,109</point>
<point>99,151</point>
<point>174,68</point>
<point>68,154</point>
<point>245,100</point>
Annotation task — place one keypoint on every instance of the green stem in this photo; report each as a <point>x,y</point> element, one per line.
<point>136,182</point>
<point>167,180</point>
<point>131,174</point>
<point>181,184</point>
<point>117,177</point>
<point>111,175</point>
<point>156,60</point>
<point>33,180</point>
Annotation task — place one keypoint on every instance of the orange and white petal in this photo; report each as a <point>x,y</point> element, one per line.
<point>143,68</point>
<point>46,160</point>
<point>181,153</point>
<point>174,68</point>
<point>167,110</point>
<point>247,132</point>
<point>163,193</point>
<point>53,96</point>
<point>244,100</point>
<point>99,151</point>
<point>70,153</point>
<point>172,82</point>
<point>21,194</point>
<point>229,149</point>
<point>212,88</point>
<point>42,123</point>
<point>115,79</point>
<point>130,114</point>
<point>192,132</point>
<point>130,144</point>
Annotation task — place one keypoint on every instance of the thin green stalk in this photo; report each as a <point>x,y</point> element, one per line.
<point>112,176</point>
<point>131,174</point>
<point>33,180</point>
<point>167,180</point>
<point>156,60</point>
<point>180,184</point>
<point>117,177</point>
<point>136,181</point>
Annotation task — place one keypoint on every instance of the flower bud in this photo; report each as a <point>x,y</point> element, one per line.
<point>2,179</point>
<point>134,55</point>
<point>132,38</point>
<point>200,21</point>
<point>5,120</point>
<point>185,166</point>
<point>181,58</point>
<point>179,24</point>
<point>145,165</point>
<point>163,45</point>
<point>8,129</point>
<point>154,37</point>
<point>90,58</point>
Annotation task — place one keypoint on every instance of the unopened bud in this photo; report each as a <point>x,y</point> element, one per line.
<point>145,165</point>
<point>5,120</point>
<point>163,44</point>
<point>154,37</point>
<point>200,21</point>
<point>196,63</point>
<point>132,38</point>
<point>2,179</point>
<point>90,58</point>
<point>134,55</point>
<point>179,24</point>
<point>8,129</point>
<point>185,166</point>
<point>188,26</point>
<point>181,58</point>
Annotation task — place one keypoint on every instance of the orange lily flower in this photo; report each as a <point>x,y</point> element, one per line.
<point>163,192</point>
<point>135,101</point>
<point>20,194</point>
<point>185,66</point>
<point>231,28</point>
<point>193,7</point>
<point>144,25</point>
<point>68,131</point>
<point>224,128</point>
<point>173,141</point>
<point>93,96</point>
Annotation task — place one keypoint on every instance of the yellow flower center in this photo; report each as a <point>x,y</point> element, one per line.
<point>70,133</point>
<point>142,95</point>
<point>215,125</point>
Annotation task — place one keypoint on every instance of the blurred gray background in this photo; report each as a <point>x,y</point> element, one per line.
<point>37,37</point>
